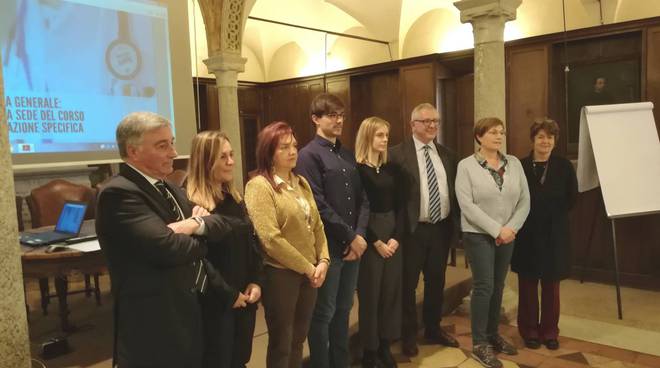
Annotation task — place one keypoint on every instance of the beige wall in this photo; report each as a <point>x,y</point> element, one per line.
<point>424,26</point>
<point>287,62</point>
<point>349,52</point>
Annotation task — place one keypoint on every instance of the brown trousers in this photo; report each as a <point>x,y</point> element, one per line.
<point>288,301</point>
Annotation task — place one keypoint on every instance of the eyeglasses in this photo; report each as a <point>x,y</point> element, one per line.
<point>428,122</point>
<point>336,115</point>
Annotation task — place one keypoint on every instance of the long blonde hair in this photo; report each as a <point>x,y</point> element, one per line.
<point>204,156</point>
<point>365,138</point>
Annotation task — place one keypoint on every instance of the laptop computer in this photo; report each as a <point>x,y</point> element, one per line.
<point>68,226</point>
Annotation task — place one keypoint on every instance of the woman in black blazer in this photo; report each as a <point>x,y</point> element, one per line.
<point>228,313</point>
<point>542,252</point>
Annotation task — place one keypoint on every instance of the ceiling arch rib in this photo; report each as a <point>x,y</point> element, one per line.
<point>380,19</point>
<point>270,38</point>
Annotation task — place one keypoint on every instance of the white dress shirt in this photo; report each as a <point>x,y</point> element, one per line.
<point>201,230</point>
<point>441,177</point>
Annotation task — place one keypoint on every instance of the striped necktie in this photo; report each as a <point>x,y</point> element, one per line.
<point>200,270</point>
<point>174,208</point>
<point>434,192</point>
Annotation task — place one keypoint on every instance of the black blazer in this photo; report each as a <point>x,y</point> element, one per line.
<point>236,257</point>
<point>404,158</point>
<point>543,248</point>
<point>157,317</point>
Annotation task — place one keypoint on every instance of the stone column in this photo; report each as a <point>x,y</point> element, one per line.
<point>226,66</point>
<point>488,18</point>
<point>14,340</point>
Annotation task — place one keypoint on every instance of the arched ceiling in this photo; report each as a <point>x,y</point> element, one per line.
<point>411,27</point>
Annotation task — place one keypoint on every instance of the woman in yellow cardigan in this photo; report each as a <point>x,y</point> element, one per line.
<point>286,219</point>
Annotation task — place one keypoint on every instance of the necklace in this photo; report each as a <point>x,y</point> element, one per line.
<point>371,164</point>
<point>544,165</point>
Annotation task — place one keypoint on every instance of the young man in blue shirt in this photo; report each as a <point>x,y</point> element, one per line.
<point>331,171</point>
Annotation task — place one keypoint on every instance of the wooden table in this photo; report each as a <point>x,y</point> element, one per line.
<point>58,265</point>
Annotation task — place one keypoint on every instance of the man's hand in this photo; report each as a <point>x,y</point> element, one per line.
<point>320,272</point>
<point>358,245</point>
<point>187,226</point>
<point>253,292</point>
<point>241,301</point>
<point>383,249</point>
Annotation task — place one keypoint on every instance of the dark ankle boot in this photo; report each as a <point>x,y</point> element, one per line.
<point>370,359</point>
<point>385,355</point>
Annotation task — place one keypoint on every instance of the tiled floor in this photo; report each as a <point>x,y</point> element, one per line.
<point>92,344</point>
<point>572,353</point>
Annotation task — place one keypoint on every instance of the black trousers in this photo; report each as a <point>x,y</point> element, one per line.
<point>379,293</point>
<point>228,333</point>
<point>425,250</point>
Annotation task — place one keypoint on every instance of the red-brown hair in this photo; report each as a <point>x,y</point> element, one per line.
<point>267,142</point>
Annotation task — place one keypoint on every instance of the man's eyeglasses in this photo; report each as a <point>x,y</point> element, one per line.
<point>336,115</point>
<point>428,122</point>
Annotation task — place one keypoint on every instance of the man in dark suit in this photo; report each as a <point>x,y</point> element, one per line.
<point>154,250</point>
<point>431,211</point>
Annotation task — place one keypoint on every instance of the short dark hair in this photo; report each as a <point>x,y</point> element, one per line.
<point>267,142</point>
<point>324,104</point>
<point>546,124</point>
<point>484,125</point>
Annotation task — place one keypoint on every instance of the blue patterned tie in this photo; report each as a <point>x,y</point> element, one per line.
<point>434,192</point>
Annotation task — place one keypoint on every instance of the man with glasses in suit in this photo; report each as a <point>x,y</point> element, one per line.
<point>428,170</point>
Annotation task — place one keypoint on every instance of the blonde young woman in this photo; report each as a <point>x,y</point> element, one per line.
<point>228,311</point>
<point>379,282</point>
<point>281,205</point>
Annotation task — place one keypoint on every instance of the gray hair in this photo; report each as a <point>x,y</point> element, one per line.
<point>420,107</point>
<point>133,126</point>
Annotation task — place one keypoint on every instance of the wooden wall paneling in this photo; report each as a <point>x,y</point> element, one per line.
<point>206,98</point>
<point>638,244</point>
<point>250,100</point>
<point>281,101</point>
<point>377,94</point>
<point>465,115</point>
<point>448,112</point>
<point>417,85</point>
<point>305,129</point>
<point>250,105</point>
<point>340,86</point>
<point>250,127</point>
<point>653,70</point>
<point>290,102</point>
<point>527,94</point>
<point>278,101</point>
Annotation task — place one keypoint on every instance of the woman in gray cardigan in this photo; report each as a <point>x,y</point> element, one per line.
<point>492,192</point>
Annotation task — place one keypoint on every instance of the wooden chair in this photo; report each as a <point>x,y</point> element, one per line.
<point>178,177</point>
<point>21,227</point>
<point>19,213</point>
<point>45,203</point>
